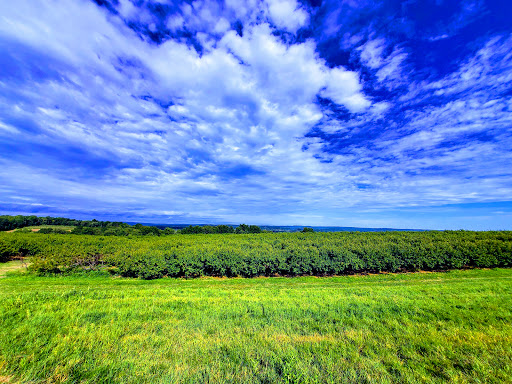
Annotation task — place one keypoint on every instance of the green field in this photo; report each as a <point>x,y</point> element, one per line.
<point>408,328</point>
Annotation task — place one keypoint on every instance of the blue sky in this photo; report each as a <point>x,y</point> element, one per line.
<point>349,113</point>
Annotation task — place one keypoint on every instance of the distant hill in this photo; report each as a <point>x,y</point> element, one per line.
<point>290,228</point>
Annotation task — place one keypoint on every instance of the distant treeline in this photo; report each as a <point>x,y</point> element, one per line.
<point>8,223</point>
<point>145,230</point>
<point>113,228</point>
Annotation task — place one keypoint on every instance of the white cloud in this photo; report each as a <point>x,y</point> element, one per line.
<point>222,26</point>
<point>343,87</point>
<point>175,22</point>
<point>389,66</point>
<point>287,14</point>
<point>246,102</point>
<point>8,129</point>
<point>441,153</point>
<point>488,68</point>
<point>372,53</point>
<point>128,10</point>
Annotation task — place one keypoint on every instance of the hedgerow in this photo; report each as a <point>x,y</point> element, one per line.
<point>263,254</point>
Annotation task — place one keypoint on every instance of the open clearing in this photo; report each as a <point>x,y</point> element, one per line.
<point>420,327</point>
<point>37,228</point>
<point>12,266</point>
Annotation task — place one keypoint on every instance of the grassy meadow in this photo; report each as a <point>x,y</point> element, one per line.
<point>388,328</point>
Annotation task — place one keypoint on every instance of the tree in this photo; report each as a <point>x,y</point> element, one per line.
<point>168,231</point>
<point>254,229</point>
<point>244,228</point>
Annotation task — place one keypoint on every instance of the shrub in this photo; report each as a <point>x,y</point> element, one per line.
<point>267,254</point>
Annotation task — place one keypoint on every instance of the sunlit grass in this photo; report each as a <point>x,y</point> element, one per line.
<point>422,327</point>
<point>13,265</point>
<point>35,228</point>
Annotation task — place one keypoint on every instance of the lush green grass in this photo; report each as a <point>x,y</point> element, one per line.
<point>13,265</point>
<point>410,328</point>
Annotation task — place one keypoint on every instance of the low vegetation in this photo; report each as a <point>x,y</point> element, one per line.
<point>263,254</point>
<point>13,265</point>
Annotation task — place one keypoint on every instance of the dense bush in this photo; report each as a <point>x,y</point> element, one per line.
<point>267,254</point>
<point>7,250</point>
<point>12,245</point>
<point>48,230</point>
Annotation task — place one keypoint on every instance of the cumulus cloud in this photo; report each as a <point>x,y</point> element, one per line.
<point>344,88</point>
<point>163,117</point>
<point>287,14</point>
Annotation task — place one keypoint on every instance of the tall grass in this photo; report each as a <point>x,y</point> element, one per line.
<point>388,328</point>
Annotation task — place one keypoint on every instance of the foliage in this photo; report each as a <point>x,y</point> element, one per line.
<point>7,250</point>
<point>12,222</point>
<point>108,228</point>
<point>244,228</point>
<point>48,230</point>
<point>21,245</point>
<point>264,254</point>
<point>209,229</point>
